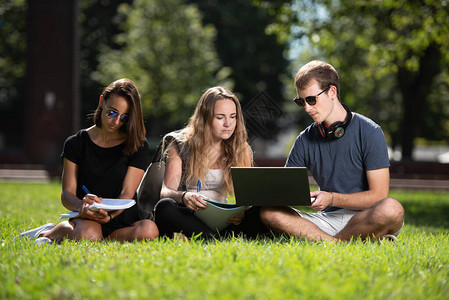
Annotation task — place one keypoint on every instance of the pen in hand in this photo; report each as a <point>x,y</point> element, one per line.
<point>85,189</point>
<point>88,192</point>
<point>198,190</point>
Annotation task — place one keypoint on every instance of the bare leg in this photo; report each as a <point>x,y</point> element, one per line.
<point>140,230</point>
<point>386,216</point>
<point>63,230</point>
<point>286,220</point>
<point>75,229</point>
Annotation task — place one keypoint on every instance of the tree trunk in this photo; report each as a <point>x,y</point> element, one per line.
<point>415,88</point>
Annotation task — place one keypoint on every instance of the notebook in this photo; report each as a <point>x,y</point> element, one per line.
<point>271,186</point>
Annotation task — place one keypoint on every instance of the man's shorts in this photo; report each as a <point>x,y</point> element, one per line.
<point>332,222</point>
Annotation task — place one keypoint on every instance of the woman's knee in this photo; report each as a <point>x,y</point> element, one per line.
<point>164,209</point>
<point>146,230</point>
<point>164,205</point>
<point>85,231</point>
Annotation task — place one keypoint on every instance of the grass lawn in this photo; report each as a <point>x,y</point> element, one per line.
<point>416,267</point>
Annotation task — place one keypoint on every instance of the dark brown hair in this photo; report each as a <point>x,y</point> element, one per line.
<point>134,128</point>
<point>324,73</point>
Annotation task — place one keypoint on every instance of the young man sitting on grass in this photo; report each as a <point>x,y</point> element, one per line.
<point>347,156</point>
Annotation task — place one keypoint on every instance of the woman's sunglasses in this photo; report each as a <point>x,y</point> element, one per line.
<point>111,114</point>
<point>311,100</point>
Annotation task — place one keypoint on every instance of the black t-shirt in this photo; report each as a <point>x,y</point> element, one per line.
<point>101,170</point>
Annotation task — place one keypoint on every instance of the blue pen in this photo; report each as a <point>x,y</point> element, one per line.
<point>85,189</point>
<point>198,186</point>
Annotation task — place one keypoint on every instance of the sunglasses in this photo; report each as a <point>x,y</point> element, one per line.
<point>311,100</point>
<point>111,114</point>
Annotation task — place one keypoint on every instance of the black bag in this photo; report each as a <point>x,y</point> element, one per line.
<point>149,190</point>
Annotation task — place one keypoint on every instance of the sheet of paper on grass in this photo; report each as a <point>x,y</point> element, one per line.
<point>106,204</point>
<point>216,214</point>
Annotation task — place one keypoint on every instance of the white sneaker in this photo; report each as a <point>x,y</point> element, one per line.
<point>43,240</point>
<point>389,237</point>
<point>34,233</point>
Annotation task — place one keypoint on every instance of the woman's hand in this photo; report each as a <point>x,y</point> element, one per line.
<point>100,216</point>
<point>194,201</point>
<point>91,199</point>
<point>237,219</point>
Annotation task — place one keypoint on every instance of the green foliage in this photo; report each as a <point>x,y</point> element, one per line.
<point>416,267</point>
<point>391,55</point>
<point>394,52</point>
<point>167,52</point>
<point>243,43</point>
<point>99,23</point>
<point>12,50</point>
<point>255,56</point>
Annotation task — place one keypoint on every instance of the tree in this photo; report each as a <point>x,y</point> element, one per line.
<point>391,55</point>
<point>13,49</point>
<point>168,53</point>
<point>256,58</point>
<point>99,23</point>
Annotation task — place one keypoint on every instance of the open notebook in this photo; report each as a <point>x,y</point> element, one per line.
<point>106,204</point>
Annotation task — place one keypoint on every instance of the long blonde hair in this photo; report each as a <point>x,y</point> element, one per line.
<point>196,137</point>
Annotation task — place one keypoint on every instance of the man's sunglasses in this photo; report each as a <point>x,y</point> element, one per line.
<point>311,100</point>
<point>111,114</point>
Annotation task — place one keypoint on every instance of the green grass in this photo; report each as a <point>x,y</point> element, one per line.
<point>417,267</point>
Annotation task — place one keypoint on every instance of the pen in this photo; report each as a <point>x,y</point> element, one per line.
<point>198,186</point>
<point>85,189</point>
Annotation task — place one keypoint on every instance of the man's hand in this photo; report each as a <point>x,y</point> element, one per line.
<point>323,200</point>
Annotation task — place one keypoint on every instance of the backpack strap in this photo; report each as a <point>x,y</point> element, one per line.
<point>168,140</point>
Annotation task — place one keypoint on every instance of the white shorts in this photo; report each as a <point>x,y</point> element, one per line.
<point>332,222</point>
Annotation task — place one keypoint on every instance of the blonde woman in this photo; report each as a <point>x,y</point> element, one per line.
<point>205,150</point>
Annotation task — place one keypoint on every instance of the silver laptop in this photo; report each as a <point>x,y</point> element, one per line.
<point>271,186</point>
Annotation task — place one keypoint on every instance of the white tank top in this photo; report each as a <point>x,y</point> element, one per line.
<point>212,187</point>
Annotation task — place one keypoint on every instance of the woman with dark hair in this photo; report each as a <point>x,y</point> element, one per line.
<point>109,159</point>
<point>205,150</point>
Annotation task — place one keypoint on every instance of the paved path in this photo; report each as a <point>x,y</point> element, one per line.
<point>38,176</point>
<point>42,176</point>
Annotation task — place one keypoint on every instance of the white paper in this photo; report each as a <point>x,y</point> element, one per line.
<point>112,204</point>
<point>106,204</point>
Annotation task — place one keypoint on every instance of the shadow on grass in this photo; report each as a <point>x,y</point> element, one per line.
<point>427,214</point>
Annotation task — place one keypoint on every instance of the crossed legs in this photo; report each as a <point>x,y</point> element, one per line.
<point>78,229</point>
<point>385,217</point>
<point>75,229</point>
<point>140,230</point>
